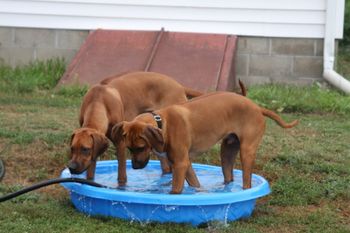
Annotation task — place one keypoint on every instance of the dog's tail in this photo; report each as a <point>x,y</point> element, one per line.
<point>191,93</point>
<point>278,119</point>
<point>243,88</point>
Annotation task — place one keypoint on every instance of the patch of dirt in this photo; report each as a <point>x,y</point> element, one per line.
<point>28,165</point>
<point>343,208</point>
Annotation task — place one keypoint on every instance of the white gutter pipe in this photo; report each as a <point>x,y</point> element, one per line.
<point>328,51</point>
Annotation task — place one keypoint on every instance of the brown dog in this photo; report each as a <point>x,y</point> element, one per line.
<point>194,127</point>
<point>113,100</point>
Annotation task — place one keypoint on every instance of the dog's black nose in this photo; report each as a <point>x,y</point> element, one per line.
<point>136,164</point>
<point>72,166</point>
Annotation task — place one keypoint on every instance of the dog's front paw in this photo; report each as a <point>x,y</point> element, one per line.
<point>90,177</point>
<point>228,181</point>
<point>121,182</point>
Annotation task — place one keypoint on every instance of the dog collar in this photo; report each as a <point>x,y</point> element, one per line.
<point>158,119</point>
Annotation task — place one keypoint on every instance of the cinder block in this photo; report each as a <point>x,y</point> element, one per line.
<point>5,56</point>
<point>270,66</point>
<point>49,53</point>
<point>284,46</point>
<point>253,80</point>
<point>6,37</point>
<point>37,38</point>
<point>319,47</point>
<point>16,56</point>
<point>253,45</point>
<point>21,56</point>
<point>308,67</point>
<point>242,64</point>
<point>70,39</point>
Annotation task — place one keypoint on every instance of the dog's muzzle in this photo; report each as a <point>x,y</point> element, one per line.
<point>72,166</point>
<point>136,164</point>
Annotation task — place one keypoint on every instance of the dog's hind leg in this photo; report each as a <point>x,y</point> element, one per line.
<point>248,155</point>
<point>250,141</point>
<point>229,149</point>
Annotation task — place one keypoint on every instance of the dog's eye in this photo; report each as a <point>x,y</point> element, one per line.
<point>85,151</point>
<point>135,150</point>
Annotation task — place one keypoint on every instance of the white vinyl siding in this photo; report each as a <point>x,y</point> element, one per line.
<point>270,18</point>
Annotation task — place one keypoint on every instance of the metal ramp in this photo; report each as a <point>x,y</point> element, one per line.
<point>204,62</point>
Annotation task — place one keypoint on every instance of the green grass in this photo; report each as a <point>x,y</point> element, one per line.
<point>307,166</point>
<point>60,216</point>
<point>38,75</point>
<point>314,99</point>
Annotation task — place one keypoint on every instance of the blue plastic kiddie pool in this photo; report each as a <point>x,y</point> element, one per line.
<point>146,196</point>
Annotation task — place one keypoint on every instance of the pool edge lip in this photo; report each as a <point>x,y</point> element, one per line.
<point>167,199</point>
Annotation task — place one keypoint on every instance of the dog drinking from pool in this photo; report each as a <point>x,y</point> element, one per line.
<point>181,130</point>
<point>113,100</point>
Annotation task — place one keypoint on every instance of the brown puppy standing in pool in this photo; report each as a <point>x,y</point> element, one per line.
<point>113,100</point>
<point>181,130</point>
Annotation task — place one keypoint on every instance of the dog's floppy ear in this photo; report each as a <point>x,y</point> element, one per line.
<point>71,138</point>
<point>155,138</point>
<point>117,132</point>
<point>100,144</point>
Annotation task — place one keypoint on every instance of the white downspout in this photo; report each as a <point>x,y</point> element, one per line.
<point>328,51</point>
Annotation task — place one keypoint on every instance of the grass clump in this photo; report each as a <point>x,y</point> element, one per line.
<point>75,91</point>
<point>39,75</point>
<point>310,99</point>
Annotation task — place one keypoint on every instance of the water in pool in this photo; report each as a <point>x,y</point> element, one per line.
<point>151,180</point>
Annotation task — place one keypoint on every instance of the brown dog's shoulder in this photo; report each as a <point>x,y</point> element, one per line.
<point>108,80</point>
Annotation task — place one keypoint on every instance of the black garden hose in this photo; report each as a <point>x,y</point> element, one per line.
<point>2,169</point>
<point>50,182</point>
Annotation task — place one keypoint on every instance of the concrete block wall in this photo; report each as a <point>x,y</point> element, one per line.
<point>20,46</point>
<point>258,60</point>
<point>283,60</point>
